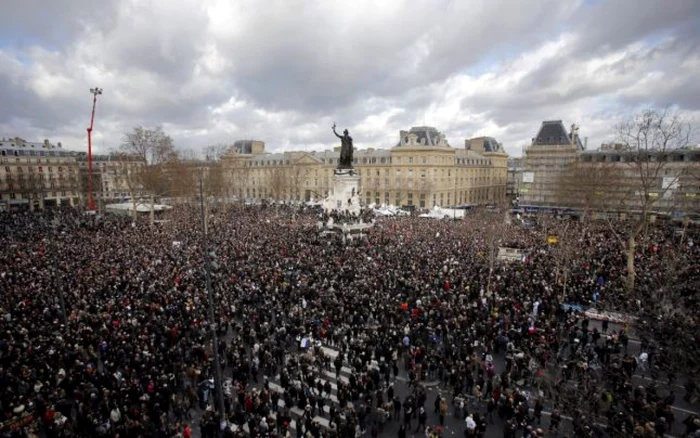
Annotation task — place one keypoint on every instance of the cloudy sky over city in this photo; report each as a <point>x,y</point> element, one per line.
<point>215,71</point>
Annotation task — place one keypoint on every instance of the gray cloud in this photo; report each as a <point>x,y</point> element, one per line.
<point>216,71</point>
<point>54,23</point>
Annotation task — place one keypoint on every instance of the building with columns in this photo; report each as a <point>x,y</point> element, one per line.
<point>422,169</point>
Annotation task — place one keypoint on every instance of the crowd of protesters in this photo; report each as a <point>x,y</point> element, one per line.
<point>365,215</point>
<point>105,326</point>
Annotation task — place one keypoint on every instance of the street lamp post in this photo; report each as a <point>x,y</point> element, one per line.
<point>56,262</point>
<point>454,205</point>
<point>212,315</point>
<point>91,202</point>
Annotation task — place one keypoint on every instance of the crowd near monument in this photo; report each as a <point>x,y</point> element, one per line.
<point>418,329</point>
<point>242,320</point>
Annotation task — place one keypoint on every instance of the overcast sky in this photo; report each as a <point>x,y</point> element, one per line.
<point>283,71</point>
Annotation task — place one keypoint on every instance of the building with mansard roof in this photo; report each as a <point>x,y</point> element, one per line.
<point>422,170</point>
<point>559,173</point>
<point>552,151</point>
<point>38,174</point>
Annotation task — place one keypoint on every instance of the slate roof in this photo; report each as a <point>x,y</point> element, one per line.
<point>20,148</point>
<point>243,146</point>
<point>553,132</point>
<point>490,145</point>
<point>426,135</point>
<point>267,157</point>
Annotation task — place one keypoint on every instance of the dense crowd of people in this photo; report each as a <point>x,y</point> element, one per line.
<point>105,329</point>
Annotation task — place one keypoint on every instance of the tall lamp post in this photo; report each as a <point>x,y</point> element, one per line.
<point>212,315</point>
<point>91,202</point>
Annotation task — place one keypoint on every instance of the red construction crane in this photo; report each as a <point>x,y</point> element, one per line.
<point>91,201</point>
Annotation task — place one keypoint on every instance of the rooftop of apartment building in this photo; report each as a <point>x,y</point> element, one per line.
<point>416,137</point>
<point>422,136</point>
<point>19,147</point>
<point>489,144</point>
<point>82,156</point>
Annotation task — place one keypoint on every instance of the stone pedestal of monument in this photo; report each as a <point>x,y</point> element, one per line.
<point>344,197</point>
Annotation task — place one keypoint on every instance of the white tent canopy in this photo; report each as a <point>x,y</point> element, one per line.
<point>389,210</point>
<point>140,207</point>
<point>441,213</point>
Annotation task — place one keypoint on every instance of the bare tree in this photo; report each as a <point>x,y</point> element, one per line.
<point>182,183</point>
<point>155,149</point>
<point>588,186</point>
<point>400,186</point>
<point>425,189</point>
<point>648,140</point>
<point>278,183</point>
<point>297,176</point>
<point>664,321</point>
<point>216,151</point>
<point>214,184</point>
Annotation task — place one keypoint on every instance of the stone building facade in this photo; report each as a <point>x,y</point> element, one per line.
<point>559,173</point>
<point>421,170</point>
<point>34,175</point>
<point>514,180</point>
<point>110,176</point>
<point>545,160</point>
<point>671,180</point>
<point>37,175</point>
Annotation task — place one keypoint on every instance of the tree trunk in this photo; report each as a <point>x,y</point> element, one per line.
<point>631,248</point>
<point>133,203</point>
<point>153,213</point>
<point>206,215</point>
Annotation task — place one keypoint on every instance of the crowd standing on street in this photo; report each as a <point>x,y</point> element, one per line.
<point>105,329</point>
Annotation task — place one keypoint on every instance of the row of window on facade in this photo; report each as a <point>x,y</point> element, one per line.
<point>35,195</point>
<point>377,172</point>
<point>371,160</point>
<point>29,153</point>
<point>476,195</point>
<point>36,160</point>
<point>629,158</point>
<point>20,169</point>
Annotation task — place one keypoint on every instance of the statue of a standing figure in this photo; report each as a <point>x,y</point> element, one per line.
<point>345,161</point>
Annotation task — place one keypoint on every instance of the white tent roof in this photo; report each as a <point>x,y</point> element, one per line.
<point>140,207</point>
<point>389,210</point>
<point>439,213</point>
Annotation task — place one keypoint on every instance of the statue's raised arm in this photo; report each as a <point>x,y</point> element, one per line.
<point>336,134</point>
